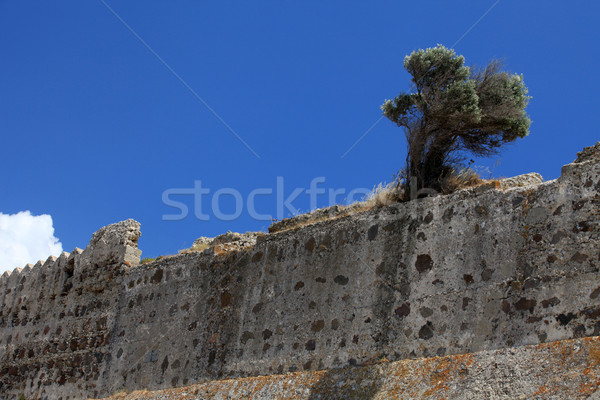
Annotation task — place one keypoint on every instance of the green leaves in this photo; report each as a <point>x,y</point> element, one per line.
<point>455,110</point>
<point>435,68</point>
<point>459,101</point>
<point>400,107</point>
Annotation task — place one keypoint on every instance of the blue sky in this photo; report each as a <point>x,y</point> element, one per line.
<point>94,127</point>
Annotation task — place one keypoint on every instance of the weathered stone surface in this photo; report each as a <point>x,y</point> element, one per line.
<point>114,244</point>
<point>229,241</point>
<point>202,241</point>
<point>56,319</point>
<point>532,178</point>
<point>559,370</point>
<point>311,217</point>
<point>591,153</point>
<point>247,239</point>
<point>463,273</point>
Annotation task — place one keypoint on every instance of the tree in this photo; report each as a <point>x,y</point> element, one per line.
<point>454,111</point>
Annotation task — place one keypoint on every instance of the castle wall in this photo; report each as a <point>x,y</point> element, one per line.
<point>566,369</point>
<point>481,269</point>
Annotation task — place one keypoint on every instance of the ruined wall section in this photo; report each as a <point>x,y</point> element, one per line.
<point>478,270</point>
<point>56,318</point>
<point>481,269</point>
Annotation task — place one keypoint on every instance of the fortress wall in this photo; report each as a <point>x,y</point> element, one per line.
<point>481,269</point>
<point>557,370</point>
<point>55,325</point>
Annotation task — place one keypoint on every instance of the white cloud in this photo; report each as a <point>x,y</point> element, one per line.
<point>26,238</point>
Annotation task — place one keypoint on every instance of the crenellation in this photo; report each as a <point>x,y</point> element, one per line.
<point>61,260</point>
<point>64,335</point>
<point>14,278</point>
<point>482,269</point>
<point>49,261</point>
<point>4,280</point>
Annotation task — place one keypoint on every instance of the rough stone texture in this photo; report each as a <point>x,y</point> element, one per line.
<point>320,214</point>
<point>532,178</point>
<point>337,211</point>
<point>230,241</point>
<point>246,239</point>
<point>473,271</point>
<point>57,317</point>
<point>114,244</point>
<point>591,153</point>
<point>559,370</point>
<point>202,241</point>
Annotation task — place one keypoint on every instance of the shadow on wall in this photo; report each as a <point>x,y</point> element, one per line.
<point>348,383</point>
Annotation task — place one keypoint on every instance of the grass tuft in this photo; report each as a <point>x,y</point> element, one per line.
<point>460,179</point>
<point>383,195</point>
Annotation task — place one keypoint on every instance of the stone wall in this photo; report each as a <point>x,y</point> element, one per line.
<point>481,269</point>
<point>57,317</point>
<point>569,369</point>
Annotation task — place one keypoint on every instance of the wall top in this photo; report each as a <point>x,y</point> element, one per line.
<point>114,244</point>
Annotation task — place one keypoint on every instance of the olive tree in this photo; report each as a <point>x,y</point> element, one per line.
<point>453,111</point>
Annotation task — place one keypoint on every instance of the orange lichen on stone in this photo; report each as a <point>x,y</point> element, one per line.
<point>441,371</point>
<point>566,369</point>
<point>541,390</point>
<point>594,351</point>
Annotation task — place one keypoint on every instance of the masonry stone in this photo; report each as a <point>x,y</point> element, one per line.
<point>475,271</point>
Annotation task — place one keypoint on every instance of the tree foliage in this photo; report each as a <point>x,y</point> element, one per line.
<point>454,110</point>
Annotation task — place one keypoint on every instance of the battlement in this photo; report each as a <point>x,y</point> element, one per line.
<point>482,269</point>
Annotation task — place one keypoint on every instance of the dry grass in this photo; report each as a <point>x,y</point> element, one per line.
<point>461,179</point>
<point>200,247</point>
<point>383,195</point>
